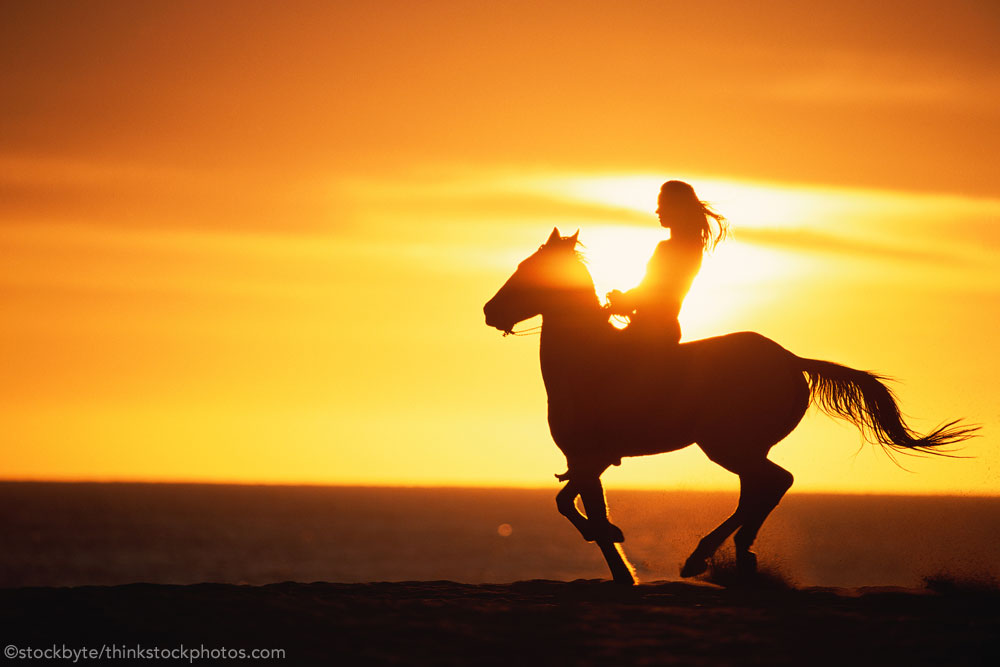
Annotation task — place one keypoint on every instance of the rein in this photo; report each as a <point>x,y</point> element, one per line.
<point>534,331</point>
<point>531,331</point>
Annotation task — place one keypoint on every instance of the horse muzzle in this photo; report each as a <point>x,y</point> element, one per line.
<point>493,319</point>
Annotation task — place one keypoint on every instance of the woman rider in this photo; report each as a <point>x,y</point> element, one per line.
<point>653,306</point>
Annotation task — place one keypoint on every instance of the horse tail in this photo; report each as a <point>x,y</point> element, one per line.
<point>863,398</point>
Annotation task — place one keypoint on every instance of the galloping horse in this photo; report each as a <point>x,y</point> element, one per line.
<point>735,396</point>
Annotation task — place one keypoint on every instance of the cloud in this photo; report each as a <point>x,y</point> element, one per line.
<point>813,241</point>
<point>863,78</point>
<point>137,195</point>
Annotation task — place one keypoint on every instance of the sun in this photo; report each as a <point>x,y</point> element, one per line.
<point>617,254</point>
<point>734,279</point>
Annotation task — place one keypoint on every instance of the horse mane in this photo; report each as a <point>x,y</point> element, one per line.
<point>581,257</point>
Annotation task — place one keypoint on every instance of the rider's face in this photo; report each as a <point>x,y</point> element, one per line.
<point>663,212</point>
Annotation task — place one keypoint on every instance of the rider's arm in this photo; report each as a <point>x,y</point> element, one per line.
<point>624,303</point>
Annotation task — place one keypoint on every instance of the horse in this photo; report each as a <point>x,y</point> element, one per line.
<point>735,396</point>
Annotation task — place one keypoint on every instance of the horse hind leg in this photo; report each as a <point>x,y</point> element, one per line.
<point>762,485</point>
<point>765,485</point>
<point>742,450</point>
<point>697,562</point>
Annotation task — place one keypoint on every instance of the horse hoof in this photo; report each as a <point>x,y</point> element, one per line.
<point>624,580</point>
<point>694,566</point>
<point>746,562</point>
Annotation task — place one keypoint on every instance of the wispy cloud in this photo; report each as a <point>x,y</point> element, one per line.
<point>849,78</point>
<point>140,195</point>
<point>808,240</point>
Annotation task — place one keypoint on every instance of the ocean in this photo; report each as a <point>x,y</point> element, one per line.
<point>73,534</point>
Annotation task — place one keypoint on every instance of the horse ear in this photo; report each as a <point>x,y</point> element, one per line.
<point>554,236</point>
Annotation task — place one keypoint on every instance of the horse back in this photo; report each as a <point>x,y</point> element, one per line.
<point>735,350</point>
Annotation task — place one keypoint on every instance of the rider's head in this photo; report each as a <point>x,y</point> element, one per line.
<point>686,216</point>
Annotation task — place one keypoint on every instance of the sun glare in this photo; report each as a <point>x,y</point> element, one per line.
<point>745,203</point>
<point>735,280</point>
<point>725,287</point>
<point>617,254</point>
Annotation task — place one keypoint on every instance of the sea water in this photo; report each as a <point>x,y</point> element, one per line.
<point>69,534</point>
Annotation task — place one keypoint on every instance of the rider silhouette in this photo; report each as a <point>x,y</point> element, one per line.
<point>653,306</point>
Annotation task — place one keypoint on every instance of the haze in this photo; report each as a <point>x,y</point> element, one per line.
<point>251,241</point>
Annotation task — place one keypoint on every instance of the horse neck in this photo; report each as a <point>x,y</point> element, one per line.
<point>570,338</point>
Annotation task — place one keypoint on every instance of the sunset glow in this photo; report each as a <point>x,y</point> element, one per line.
<point>263,257</point>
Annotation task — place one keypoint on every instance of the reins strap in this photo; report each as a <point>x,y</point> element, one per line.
<point>523,332</point>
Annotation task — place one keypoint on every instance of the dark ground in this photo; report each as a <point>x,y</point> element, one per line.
<point>533,622</point>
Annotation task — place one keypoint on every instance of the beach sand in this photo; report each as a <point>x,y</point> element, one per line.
<point>586,622</point>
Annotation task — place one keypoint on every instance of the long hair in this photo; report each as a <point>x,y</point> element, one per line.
<point>689,215</point>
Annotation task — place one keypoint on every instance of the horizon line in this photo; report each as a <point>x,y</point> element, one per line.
<point>462,487</point>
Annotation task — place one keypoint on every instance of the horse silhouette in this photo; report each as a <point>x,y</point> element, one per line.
<point>735,396</point>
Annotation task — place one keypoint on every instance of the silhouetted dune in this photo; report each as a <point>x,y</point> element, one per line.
<point>585,622</point>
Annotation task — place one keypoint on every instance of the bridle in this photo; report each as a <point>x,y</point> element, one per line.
<point>530,331</point>
<point>534,331</point>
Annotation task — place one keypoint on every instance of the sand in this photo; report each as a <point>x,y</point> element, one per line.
<point>533,622</point>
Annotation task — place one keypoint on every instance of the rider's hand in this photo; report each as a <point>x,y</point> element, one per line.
<point>614,298</point>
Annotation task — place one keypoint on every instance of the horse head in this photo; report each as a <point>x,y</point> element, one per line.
<point>545,282</point>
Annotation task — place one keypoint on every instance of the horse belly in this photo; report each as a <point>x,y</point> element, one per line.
<point>617,430</point>
<point>656,427</point>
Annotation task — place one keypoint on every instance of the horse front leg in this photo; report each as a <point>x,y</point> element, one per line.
<point>566,502</point>
<point>595,527</point>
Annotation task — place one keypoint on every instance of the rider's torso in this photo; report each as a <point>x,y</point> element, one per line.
<point>659,297</point>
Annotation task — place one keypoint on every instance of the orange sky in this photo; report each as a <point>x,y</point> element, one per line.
<point>251,241</point>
